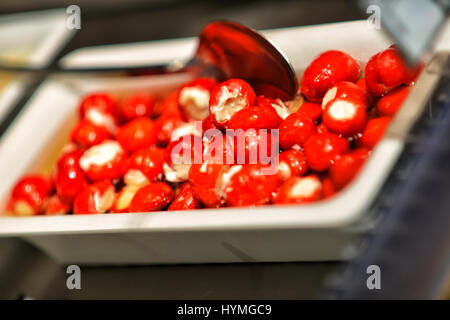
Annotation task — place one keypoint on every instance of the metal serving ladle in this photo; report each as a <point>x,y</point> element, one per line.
<point>227,50</point>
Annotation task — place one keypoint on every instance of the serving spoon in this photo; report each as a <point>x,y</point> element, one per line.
<point>225,50</point>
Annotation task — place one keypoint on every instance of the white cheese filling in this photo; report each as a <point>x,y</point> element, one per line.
<point>228,104</point>
<point>176,173</point>
<point>195,102</point>
<point>135,177</point>
<point>224,179</point>
<point>100,154</point>
<point>101,119</point>
<point>306,187</point>
<point>330,95</point>
<point>342,110</point>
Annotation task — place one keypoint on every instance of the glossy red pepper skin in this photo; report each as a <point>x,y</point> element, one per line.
<point>68,177</point>
<point>295,130</point>
<point>110,168</point>
<point>95,198</point>
<point>185,199</point>
<point>55,206</point>
<point>312,110</point>
<point>168,107</point>
<point>327,69</point>
<point>250,187</point>
<point>152,197</point>
<point>203,178</point>
<point>300,190</point>
<point>328,188</point>
<point>148,161</point>
<point>102,102</point>
<point>165,126</point>
<point>30,194</point>
<point>391,103</point>
<point>347,166</point>
<point>137,105</point>
<point>138,133</point>
<point>194,98</point>
<point>255,117</point>
<point>321,150</point>
<point>345,107</point>
<point>374,131</point>
<point>386,70</point>
<point>292,163</point>
<point>227,98</point>
<point>87,134</point>
<point>123,199</point>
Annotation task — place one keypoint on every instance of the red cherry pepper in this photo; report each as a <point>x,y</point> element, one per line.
<point>292,163</point>
<point>103,161</point>
<point>152,197</point>
<point>68,177</point>
<point>295,130</point>
<point>255,117</point>
<point>100,109</point>
<point>391,103</point>
<point>208,124</point>
<point>95,198</point>
<point>328,189</point>
<point>103,102</point>
<point>87,134</point>
<point>327,69</point>
<point>361,83</point>
<point>310,109</point>
<point>203,178</point>
<point>165,126</point>
<point>123,198</point>
<point>300,190</point>
<point>247,185</point>
<point>137,134</point>
<point>55,206</point>
<point>185,199</point>
<point>386,71</point>
<point>345,109</point>
<point>143,166</point>
<point>276,104</point>
<point>228,98</point>
<point>347,166</point>
<point>137,105</point>
<point>194,98</point>
<point>168,107</point>
<point>30,195</point>
<point>374,131</point>
<point>321,150</point>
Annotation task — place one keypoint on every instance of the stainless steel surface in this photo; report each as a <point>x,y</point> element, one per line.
<point>413,25</point>
<point>225,50</point>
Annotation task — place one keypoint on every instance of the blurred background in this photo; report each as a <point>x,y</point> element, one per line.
<point>118,21</point>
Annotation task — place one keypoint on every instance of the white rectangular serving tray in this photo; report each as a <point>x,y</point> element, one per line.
<point>314,232</point>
